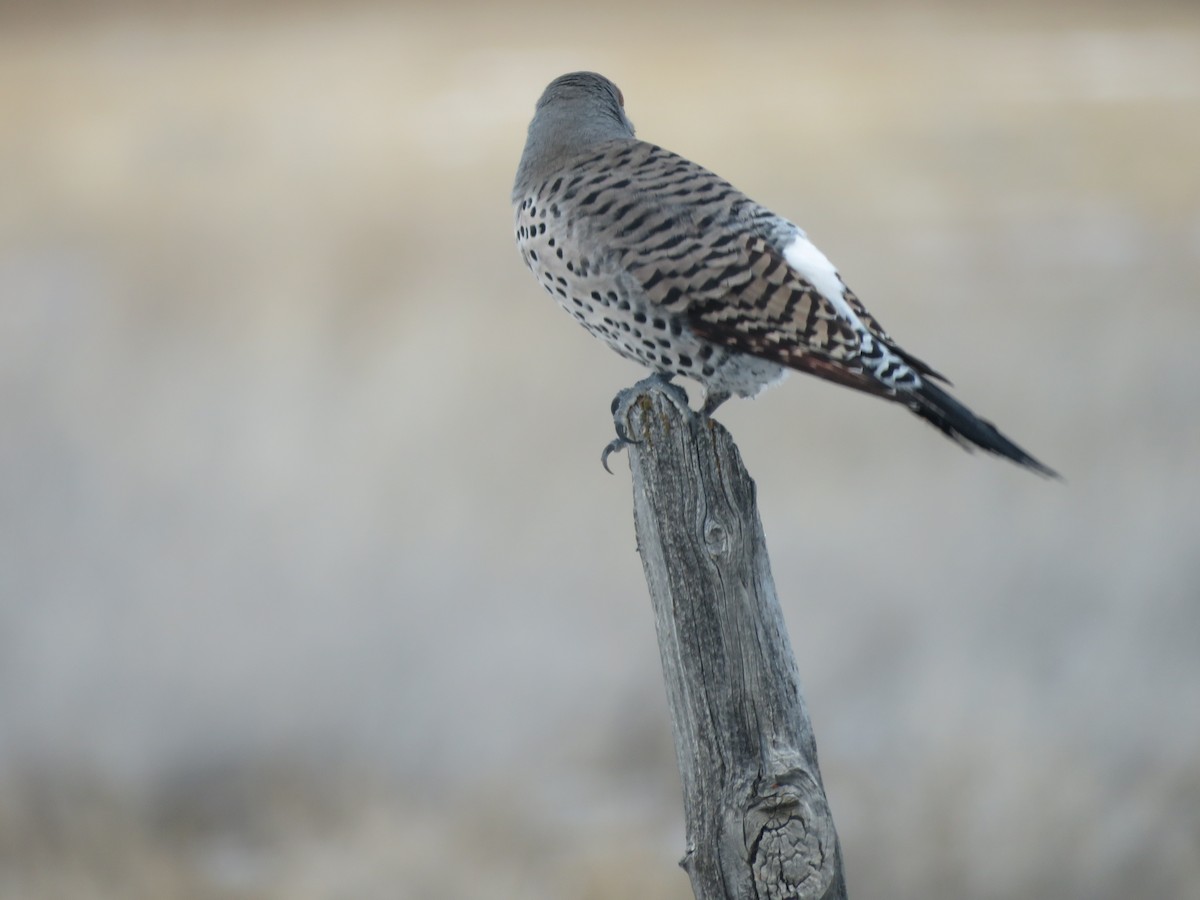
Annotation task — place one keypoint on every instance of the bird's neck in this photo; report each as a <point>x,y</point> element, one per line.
<point>550,145</point>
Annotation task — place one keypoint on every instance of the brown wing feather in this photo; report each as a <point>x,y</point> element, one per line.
<point>697,247</point>
<point>744,293</point>
<point>869,320</point>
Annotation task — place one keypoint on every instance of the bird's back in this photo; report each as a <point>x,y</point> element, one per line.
<point>628,234</point>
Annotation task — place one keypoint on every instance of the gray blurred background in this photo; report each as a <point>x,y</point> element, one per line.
<point>311,584</point>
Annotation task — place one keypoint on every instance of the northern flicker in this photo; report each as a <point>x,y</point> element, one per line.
<point>677,270</point>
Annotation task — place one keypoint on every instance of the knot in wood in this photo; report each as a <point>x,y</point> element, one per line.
<point>716,537</point>
<point>791,842</point>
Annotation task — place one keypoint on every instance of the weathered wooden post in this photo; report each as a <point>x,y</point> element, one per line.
<point>758,825</point>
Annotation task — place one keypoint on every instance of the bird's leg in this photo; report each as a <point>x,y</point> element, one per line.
<point>713,399</point>
<point>622,400</point>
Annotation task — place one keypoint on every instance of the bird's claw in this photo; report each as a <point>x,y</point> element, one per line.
<point>625,397</point>
<point>613,446</point>
<point>618,443</point>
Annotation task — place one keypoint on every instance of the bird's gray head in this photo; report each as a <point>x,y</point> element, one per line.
<point>585,100</point>
<point>575,111</point>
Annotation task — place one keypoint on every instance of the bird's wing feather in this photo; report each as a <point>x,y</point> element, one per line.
<point>697,247</point>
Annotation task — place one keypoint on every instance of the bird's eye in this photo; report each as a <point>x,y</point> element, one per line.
<point>620,98</point>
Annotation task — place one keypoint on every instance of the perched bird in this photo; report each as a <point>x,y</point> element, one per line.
<point>678,270</point>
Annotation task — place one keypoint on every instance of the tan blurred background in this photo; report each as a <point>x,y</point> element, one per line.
<point>311,584</point>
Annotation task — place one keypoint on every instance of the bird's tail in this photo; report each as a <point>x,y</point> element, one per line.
<point>950,417</point>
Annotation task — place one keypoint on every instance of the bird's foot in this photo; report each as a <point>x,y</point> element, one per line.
<point>620,406</point>
<point>713,399</point>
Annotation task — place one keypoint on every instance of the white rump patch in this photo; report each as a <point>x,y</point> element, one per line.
<point>814,267</point>
<point>877,357</point>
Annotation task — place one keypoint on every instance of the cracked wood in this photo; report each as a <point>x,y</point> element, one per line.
<point>758,824</point>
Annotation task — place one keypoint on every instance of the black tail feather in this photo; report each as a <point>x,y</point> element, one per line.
<point>953,419</point>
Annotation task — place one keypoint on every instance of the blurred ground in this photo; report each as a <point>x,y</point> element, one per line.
<point>311,584</point>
